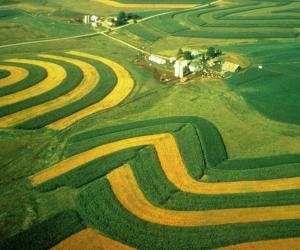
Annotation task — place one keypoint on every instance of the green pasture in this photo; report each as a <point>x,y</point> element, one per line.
<point>27,26</point>
<point>272,90</point>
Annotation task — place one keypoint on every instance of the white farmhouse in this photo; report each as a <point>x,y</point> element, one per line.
<point>157,59</point>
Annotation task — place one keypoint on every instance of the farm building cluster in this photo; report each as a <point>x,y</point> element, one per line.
<point>111,21</point>
<point>206,64</point>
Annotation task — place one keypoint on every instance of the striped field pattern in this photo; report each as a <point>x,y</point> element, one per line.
<point>142,185</point>
<point>226,20</point>
<point>60,98</point>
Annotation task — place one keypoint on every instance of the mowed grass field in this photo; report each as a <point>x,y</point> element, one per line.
<point>96,153</point>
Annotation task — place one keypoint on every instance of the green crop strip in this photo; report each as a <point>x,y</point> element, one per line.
<point>4,73</point>
<point>47,233</point>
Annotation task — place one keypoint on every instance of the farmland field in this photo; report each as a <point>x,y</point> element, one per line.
<point>97,152</point>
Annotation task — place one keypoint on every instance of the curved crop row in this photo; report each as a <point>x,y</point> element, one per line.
<point>15,75</point>
<point>246,20</point>
<point>117,4</point>
<point>159,196</point>
<point>48,103</point>
<point>35,75</point>
<point>55,75</point>
<point>62,88</point>
<point>122,89</point>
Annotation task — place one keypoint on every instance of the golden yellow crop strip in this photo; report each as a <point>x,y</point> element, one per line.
<point>116,4</point>
<point>128,193</point>
<point>17,74</point>
<point>55,75</point>
<point>122,89</point>
<point>78,160</point>
<point>88,83</point>
<point>172,165</point>
<point>279,244</point>
<point>89,239</point>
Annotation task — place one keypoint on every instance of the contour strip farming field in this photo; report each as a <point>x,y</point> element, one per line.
<point>250,19</point>
<point>56,75</point>
<point>153,190</point>
<point>155,184</point>
<point>117,4</point>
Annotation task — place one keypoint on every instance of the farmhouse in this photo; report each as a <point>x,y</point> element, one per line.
<point>157,59</point>
<point>230,67</point>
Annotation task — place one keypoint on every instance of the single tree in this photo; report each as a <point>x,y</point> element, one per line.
<point>211,52</point>
<point>179,52</point>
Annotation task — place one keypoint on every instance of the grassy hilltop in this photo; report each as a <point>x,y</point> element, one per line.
<point>96,151</point>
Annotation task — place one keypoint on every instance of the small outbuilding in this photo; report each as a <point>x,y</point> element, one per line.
<point>94,18</point>
<point>230,67</point>
<point>194,67</point>
<point>157,59</point>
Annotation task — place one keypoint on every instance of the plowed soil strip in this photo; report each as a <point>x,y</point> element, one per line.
<point>17,74</point>
<point>130,196</point>
<point>55,75</point>
<point>172,165</point>
<point>88,83</point>
<point>90,239</point>
<point>122,89</point>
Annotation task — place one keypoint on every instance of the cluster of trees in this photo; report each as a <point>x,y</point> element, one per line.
<point>187,55</point>
<point>210,53</point>
<point>123,18</point>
